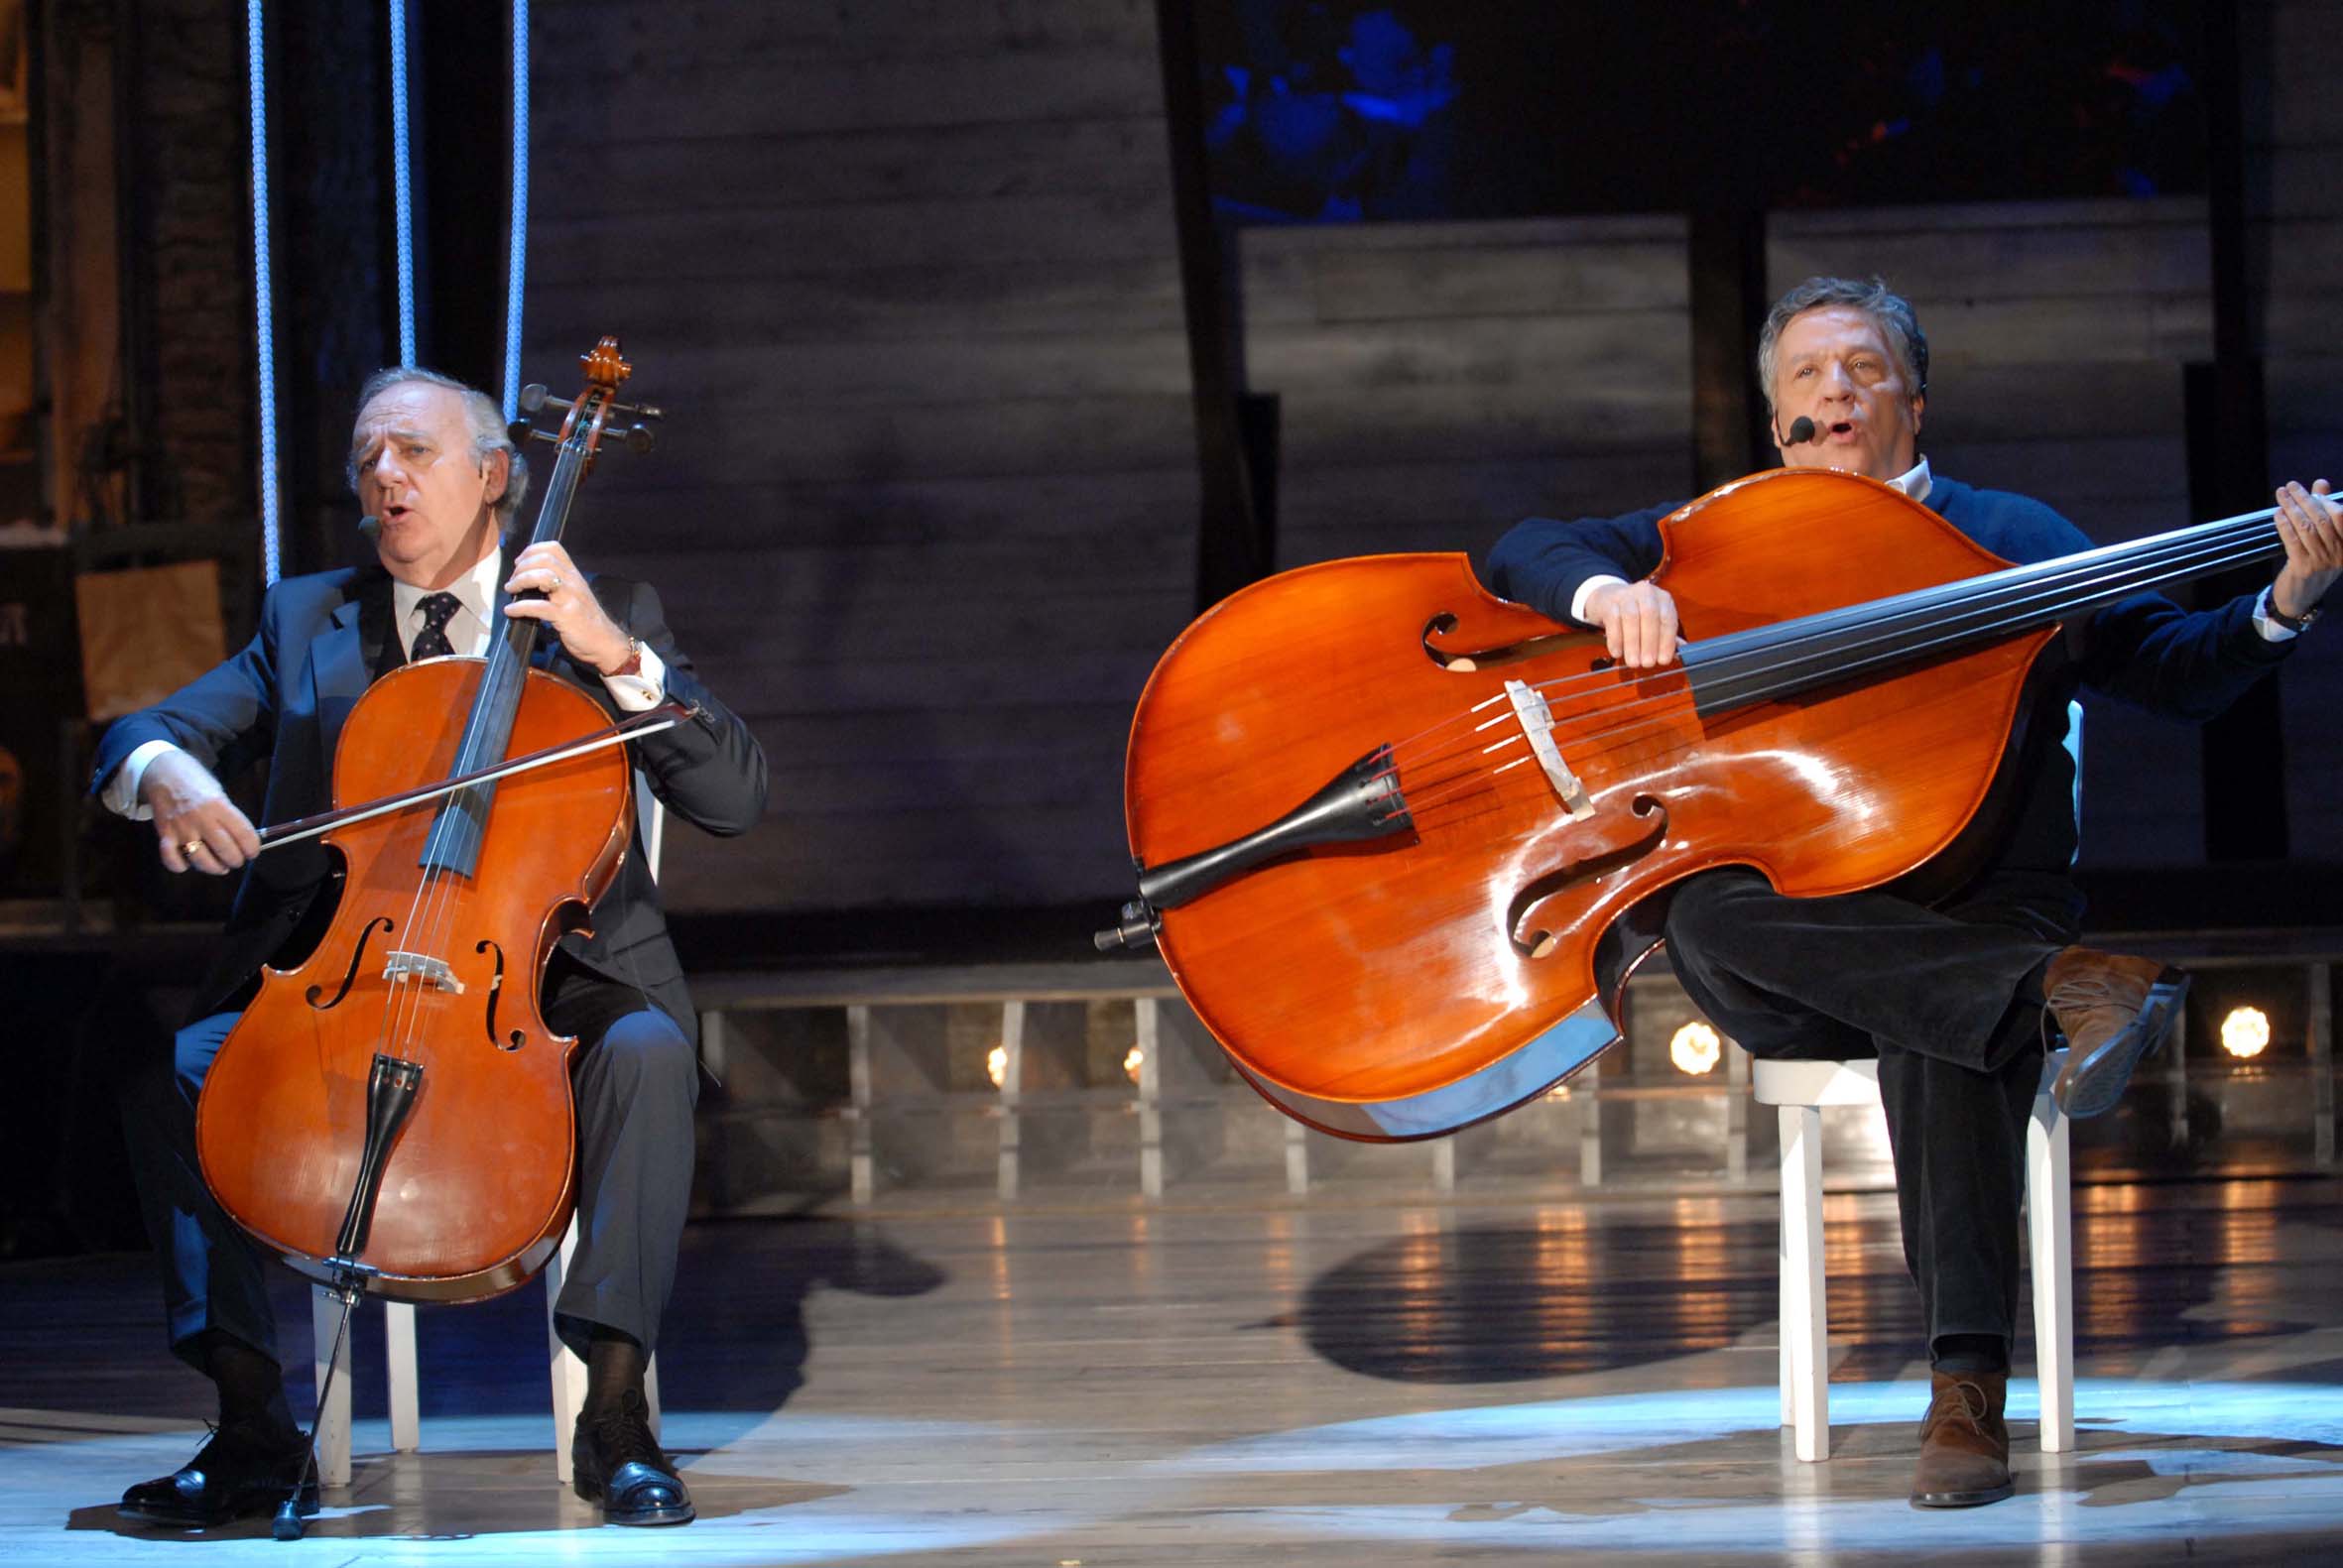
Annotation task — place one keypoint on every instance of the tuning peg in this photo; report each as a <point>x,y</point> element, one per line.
<point>637,435</point>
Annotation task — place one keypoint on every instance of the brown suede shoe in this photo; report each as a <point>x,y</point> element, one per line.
<point>1964,1447</point>
<point>2115,1012</point>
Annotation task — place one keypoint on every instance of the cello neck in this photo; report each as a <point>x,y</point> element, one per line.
<point>515,640</point>
<point>1782,661</point>
<point>453,844</point>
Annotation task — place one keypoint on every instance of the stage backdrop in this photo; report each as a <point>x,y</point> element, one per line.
<point>903,274</point>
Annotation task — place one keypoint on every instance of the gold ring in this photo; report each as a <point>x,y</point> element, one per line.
<point>556,576</point>
<point>189,847</point>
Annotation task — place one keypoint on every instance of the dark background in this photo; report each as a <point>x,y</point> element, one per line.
<point>1333,109</point>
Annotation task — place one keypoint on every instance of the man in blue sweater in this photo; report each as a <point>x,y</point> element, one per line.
<point>1950,996</point>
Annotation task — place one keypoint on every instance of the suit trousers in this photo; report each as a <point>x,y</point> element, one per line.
<point>1947,1000</point>
<point>636,1080</point>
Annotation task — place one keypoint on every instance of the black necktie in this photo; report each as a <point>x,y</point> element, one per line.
<point>437,609</point>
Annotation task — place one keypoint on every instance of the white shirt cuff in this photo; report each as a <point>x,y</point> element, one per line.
<point>642,690</point>
<point>1578,599</point>
<point>120,794</point>
<point>2271,630</point>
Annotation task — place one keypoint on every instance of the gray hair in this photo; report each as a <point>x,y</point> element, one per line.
<point>1891,313</point>
<point>481,413</point>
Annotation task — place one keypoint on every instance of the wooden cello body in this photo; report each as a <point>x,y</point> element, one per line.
<point>1443,931</point>
<point>480,1184</point>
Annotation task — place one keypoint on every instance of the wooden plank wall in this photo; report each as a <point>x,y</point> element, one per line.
<point>1438,381</point>
<point>903,273</point>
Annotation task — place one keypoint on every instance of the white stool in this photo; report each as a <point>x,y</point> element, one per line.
<point>568,1373</point>
<point>333,1423</point>
<point>1801,1089</point>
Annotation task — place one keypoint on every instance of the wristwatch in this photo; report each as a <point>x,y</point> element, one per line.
<point>2277,617</point>
<point>634,662</point>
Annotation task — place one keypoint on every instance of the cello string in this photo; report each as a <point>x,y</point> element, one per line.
<point>2070,588</point>
<point>1719,651</point>
<point>2172,546</point>
<point>2211,556</point>
<point>2143,564</point>
<point>458,832</point>
<point>2111,571</point>
<point>1447,791</point>
<point>431,916</point>
<point>2190,552</point>
<point>1986,621</point>
<point>2075,588</point>
<point>1792,671</point>
<point>439,898</point>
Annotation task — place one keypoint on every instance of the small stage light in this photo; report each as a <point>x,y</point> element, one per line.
<point>2245,1031</point>
<point>1695,1048</point>
<point>1133,1060</point>
<point>996,1065</point>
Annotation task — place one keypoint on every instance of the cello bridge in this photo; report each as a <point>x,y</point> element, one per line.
<point>421,966</point>
<point>1529,705</point>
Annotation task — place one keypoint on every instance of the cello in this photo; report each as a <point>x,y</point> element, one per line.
<point>1402,843</point>
<point>392,1115</point>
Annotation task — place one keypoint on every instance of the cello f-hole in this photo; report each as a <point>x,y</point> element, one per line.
<point>1442,624</point>
<point>1465,663</point>
<point>1604,843</point>
<point>495,992</point>
<point>350,976</point>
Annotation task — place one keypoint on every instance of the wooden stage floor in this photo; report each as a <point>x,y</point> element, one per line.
<point>1342,1381</point>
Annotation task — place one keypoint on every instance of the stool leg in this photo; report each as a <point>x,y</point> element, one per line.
<point>2049,1223</point>
<point>333,1421</point>
<point>568,1372</point>
<point>1805,1330</point>
<point>397,1330</point>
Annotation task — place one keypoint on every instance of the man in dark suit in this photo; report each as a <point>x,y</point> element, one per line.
<point>440,482</point>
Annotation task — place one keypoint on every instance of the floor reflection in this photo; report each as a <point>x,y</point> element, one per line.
<point>1337,1383</point>
<point>1471,1302</point>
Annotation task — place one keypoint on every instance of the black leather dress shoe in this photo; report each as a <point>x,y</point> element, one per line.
<point>616,1461</point>
<point>246,1468</point>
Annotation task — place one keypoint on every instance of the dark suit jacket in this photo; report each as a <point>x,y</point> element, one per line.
<point>321,640</point>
